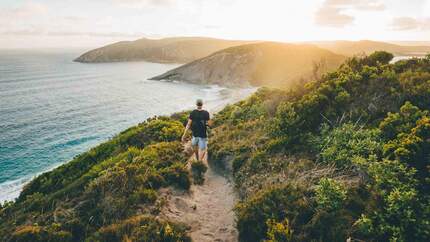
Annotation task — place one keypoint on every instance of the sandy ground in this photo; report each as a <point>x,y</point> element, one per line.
<point>206,209</point>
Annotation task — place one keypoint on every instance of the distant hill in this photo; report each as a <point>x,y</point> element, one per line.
<point>264,63</point>
<point>170,50</point>
<point>350,48</point>
<point>410,43</point>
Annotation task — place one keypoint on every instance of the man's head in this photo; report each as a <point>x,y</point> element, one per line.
<point>199,103</point>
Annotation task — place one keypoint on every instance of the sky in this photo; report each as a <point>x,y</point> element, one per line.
<point>92,23</point>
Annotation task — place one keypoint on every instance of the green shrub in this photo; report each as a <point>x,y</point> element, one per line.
<point>181,117</point>
<point>157,130</point>
<point>142,229</point>
<point>276,203</point>
<point>198,169</point>
<point>340,145</point>
<point>400,181</point>
<point>401,122</point>
<point>176,175</point>
<point>278,232</point>
<point>379,57</point>
<point>330,194</point>
<point>143,196</point>
<point>39,234</point>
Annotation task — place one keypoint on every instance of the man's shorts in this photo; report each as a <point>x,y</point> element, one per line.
<point>201,142</point>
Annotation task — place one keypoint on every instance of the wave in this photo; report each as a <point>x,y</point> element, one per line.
<point>11,189</point>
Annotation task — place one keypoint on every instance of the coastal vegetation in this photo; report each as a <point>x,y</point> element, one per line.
<point>109,193</point>
<point>346,155</point>
<point>166,50</point>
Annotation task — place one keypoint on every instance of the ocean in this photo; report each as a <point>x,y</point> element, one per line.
<point>52,109</point>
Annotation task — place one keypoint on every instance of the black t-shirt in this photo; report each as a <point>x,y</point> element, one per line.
<point>199,124</point>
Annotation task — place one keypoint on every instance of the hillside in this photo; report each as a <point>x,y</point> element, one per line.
<point>171,50</point>
<point>107,193</point>
<point>345,156</point>
<point>186,49</point>
<point>265,63</point>
<point>350,48</point>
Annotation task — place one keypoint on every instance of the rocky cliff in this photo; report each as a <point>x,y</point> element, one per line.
<point>264,63</point>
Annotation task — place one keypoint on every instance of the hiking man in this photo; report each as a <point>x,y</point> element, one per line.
<point>198,120</point>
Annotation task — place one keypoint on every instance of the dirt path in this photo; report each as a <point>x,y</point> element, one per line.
<point>206,208</point>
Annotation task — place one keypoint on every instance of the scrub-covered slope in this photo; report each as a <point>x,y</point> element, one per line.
<point>265,63</point>
<point>172,50</point>
<point>346,156</point>
<point>109,193</point>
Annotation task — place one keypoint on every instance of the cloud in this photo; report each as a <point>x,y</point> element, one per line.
<point>75,19</point>
<point>34,19</point>
<point>212,26</point>
<point>71,33</point>
<point>22,16</point>
<point>28,9</point>
<point>332,12</point>
<point>409,23</point>
<point>143,3</point>
<point>365,5</point>
<point>332,17</point>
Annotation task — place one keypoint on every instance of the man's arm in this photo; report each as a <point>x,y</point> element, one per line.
<point>209,122</point>
<point>186,129</point>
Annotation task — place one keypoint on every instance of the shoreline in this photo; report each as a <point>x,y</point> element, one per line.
<point>11,189</point>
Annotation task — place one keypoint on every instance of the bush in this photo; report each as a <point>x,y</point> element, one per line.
<point>400,181</point>
<point>198,169</point>
<point>401,122</point>
<point>278,232</point>
<point>157,130</point>
<point>142,229</point>
<point>340,145</point>
<point>277,203</point>
<point>181,117</point>
<point>39,234</point>
<point>143,196</point>
<point>330,194</point>
<point>176,175</point>
<point>379,57</point>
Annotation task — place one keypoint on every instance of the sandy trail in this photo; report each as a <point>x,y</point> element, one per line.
<point>206,209</point>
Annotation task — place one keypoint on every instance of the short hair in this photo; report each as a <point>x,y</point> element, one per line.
<point>199,102</point>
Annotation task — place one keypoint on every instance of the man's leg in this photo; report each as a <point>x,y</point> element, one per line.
<point>201,154</point>
<point>196,152</point>
<point>202,148</point>
<point>194,144</point>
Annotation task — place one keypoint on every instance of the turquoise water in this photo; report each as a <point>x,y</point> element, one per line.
<point>52,109</point>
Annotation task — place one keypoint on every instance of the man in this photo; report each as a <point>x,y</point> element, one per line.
<point>198,120</point>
